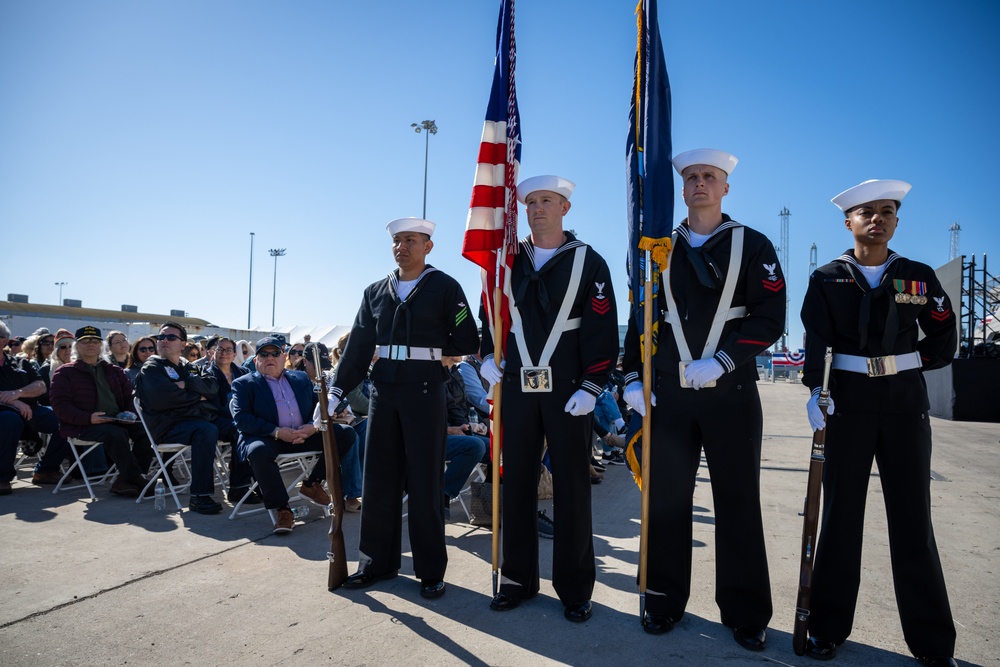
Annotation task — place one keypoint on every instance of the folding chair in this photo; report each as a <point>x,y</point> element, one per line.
<point>302,462</point>
<point>221,461</point>
<point>178,453</point>
<point>75,445</point>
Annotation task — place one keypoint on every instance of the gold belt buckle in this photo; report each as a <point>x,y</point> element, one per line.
<point>536,378</point>
<point>881,366</point>
<point>680,371</point>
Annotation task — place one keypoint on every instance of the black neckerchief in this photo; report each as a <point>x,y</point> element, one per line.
<point>706,269</point>
<point>403,304</point>
<point>872,293</point>
<point>532,274</point>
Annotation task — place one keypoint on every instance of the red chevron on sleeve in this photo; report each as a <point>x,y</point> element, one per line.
<point>598,367</point>
<point>941,316</point>
<point>773,286</point>
<point>601,305</point>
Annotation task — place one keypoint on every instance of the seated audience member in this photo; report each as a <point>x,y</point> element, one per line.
<point>191,352</point>
<point>176,401</point>
<point>350,463</point>
<point>466,444</point>
<point>87,394</point>
<point>273,409</point>
<point>243,352</point>
<point>19,411</point>
<point>476,387</point>
<point>294,355</point>
<point>226,372</point>
<point>117,349</point>
<point>608,424</point>
<point>14,346</point>
<point>60,355</point>
<point>46,343</point>
<point>28,346</point>
<point>210,345</point>
<point>142,350</point>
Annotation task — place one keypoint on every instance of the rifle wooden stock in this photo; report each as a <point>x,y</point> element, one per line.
<point>810,521</point>
<point>338,552</point>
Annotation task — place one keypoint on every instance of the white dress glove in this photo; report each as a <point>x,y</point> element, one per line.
<point>634,397</point>
<point>581,403</point>
<point>331,404</point>
<point>490,372</point>
<point>702,372</point>
<point>815,412</point>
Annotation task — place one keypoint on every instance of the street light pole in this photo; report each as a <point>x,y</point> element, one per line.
<point>276,253</point>
<point>250,289</point>
<point>431,128</point>
<point>60,286</point>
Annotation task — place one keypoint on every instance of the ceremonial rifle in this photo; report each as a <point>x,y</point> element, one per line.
<point>810,522</point>
<point>338,552</point>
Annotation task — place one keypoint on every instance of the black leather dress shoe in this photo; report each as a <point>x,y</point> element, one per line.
<point>431,589</point>
<point>505,601</point>
<point>579,612</point>
<point>938,661</point>
<point>821,649</point>
<point>364,579</point>
<point>657,624</point>
<point>752,639</point>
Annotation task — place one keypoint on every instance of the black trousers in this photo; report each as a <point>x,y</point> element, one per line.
<point>404,452</point>
<point>127,445</point>
<point>529,419</point>
<point>726,421</point>
<point>901,444</point>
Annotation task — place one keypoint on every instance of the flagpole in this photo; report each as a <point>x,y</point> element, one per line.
<point>497,423</point>
<point>647,419</point>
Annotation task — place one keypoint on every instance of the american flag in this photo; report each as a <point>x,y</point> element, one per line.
<point>788,359</point>
<point>491,229</point>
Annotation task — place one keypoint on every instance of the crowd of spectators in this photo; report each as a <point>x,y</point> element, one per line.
<point>56,386</point>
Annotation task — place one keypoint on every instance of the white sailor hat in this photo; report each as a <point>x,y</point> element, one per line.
<point>871,191</point>
<point>557,184</point>
<point>420,225</point>
<point>713,158</point>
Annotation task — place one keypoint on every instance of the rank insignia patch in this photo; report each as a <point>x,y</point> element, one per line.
<point>772,282</point>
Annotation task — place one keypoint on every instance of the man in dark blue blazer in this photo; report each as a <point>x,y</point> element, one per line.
<point>272,409</point>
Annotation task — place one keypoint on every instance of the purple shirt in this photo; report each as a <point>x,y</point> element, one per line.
<point>288,407</point>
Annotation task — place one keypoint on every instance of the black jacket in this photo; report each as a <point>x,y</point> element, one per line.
<point>435,314</point>
<point>760,287</point>
<point>840,310</point>
<point>164,403</point>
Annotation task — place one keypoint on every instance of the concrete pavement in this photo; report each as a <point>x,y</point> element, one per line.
<point>113,583</point>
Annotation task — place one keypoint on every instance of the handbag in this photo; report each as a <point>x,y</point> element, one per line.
<point>481,503</point>
<point>544,484</point>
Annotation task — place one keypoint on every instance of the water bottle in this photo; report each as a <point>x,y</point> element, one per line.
<point>159,496</point>
<point>473,417</point>
<point>300,512</point>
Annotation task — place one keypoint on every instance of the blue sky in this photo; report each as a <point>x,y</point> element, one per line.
<point>141,142</point>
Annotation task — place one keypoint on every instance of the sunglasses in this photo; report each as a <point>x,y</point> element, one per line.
<point>65,347</point>
<point>264,353</point>
<point>151,348</point>
<point>295,353</point>
<point>47,343</point>
<point>170,337</point>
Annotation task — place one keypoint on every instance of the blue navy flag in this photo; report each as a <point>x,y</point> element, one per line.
<point>650,185</point>
<point>648,151</point>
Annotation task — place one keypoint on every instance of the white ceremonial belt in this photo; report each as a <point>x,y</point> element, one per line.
<point>877,366</point>
<point>403,353</point>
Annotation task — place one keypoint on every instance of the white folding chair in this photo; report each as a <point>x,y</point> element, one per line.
<point>301,463</point>
<point>177,454</point>
<point>88,446</point>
